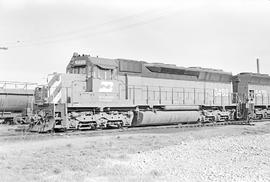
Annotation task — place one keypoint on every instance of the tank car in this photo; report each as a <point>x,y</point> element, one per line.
<point>16,99</point>
<point>99,92</point>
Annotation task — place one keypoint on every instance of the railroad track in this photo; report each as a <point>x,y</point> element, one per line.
<point>25,135</point>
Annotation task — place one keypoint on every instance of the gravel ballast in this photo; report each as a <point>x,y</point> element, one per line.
<point>229,153</point>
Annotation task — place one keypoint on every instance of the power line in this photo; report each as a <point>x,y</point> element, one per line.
<point>86,29</point>
<point>95,30</point>
<point>81,30</point>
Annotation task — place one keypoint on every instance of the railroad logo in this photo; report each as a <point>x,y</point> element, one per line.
<point>106,87</point>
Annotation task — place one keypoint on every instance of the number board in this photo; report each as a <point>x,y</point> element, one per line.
<point>80,62</point>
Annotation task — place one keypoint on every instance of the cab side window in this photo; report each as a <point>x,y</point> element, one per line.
<point>104,74</point>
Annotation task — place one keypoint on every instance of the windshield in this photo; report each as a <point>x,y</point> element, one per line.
<point>78,70</point>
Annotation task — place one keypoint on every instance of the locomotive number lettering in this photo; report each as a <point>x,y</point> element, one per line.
<point>80,62</point>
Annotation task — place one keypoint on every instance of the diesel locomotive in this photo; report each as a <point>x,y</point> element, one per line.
<point>104,93</point>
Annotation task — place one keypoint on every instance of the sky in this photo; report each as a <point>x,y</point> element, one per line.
<point>42,35</point>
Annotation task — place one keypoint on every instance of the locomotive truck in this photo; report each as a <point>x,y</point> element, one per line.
<point>105,93</point>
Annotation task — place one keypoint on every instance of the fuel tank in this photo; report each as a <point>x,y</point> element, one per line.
<point>180,108</point>
<point>144,118</point>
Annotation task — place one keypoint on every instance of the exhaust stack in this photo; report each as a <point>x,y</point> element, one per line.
<point>258,65</point>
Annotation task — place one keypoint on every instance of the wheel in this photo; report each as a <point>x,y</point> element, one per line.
<point>120,125</point>
<point>102,123</point>
<point>94,126</point>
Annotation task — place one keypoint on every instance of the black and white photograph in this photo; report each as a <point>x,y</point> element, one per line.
<point>134,90</point>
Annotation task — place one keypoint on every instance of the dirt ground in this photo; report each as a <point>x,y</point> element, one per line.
<point>227,153</point>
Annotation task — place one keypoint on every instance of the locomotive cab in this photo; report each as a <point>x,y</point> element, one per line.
<point>100,73</point>
<point>101,78</point>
